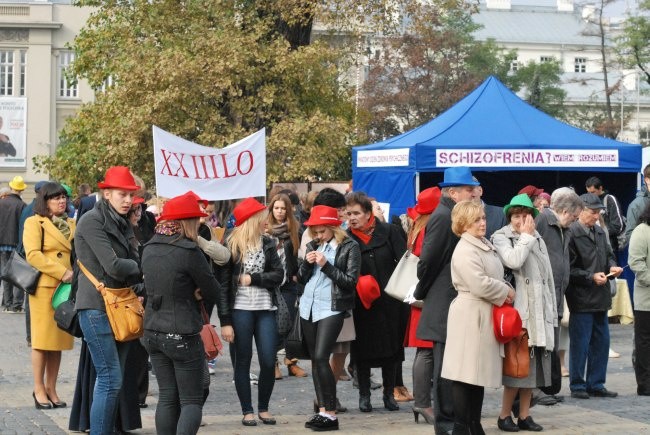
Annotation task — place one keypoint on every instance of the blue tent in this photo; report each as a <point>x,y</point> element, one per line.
<point>491,129</point>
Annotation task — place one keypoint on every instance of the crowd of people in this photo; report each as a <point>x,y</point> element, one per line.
<point>329,256</point>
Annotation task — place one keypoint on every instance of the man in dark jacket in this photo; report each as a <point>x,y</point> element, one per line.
<point>435,286</point>
<point>553,225</point>
<point>613,217</point>
<point>11,207</point>
<point>589,297</point>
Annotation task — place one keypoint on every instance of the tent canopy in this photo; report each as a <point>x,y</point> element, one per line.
<point>491,129</point>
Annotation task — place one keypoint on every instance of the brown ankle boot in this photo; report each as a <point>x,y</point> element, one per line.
<point>293,369</point>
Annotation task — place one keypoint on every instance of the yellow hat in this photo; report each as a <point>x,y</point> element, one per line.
<point>18,183</point>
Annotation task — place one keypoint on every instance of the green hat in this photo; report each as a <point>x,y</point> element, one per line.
<point>521,200</point>
<point>68,189</point>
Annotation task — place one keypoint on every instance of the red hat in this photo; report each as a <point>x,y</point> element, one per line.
<point>181,207</point>
<point>246,209</point>
<point>531,191</point>
<point>198,198</point>
<point>507,323</point>
<point>323,215</point>
<point>368,290</point>
<point>118,177</point>
<point>138,200</point>
<point>410,212</point>
<point>428,200</point>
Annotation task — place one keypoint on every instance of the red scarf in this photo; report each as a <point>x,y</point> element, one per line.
<point>365,233</point>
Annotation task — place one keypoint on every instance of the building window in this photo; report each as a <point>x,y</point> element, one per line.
<point>66,89</point>
<point>23,71</point>
<point>514,65</point>
<point>544,59</point>
<point>13,63</point>
<point>6,72</point>
<point>580,65</point>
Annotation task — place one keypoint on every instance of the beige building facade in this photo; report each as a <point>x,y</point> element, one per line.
<point>35,96</point>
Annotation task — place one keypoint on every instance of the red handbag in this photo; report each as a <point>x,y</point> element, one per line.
<point>211,341</point>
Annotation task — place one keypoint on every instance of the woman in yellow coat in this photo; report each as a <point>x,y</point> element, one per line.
<point>48,243</point>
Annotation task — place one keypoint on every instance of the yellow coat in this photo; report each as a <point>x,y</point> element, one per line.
<point>52,261</point>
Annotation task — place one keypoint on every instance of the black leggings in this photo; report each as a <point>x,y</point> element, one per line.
<point>468,401</point>
<point>321,337</point>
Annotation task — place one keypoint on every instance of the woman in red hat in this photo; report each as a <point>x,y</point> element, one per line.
<point>104,244</point>
<point>427,202</point>
<point>174,268</point>
<point>283,227</point>
<point>256,271</point>
<point>330,273</point>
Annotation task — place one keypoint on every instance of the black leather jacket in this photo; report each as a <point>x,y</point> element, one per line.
<point>269,279</point>
<point>344,273</point>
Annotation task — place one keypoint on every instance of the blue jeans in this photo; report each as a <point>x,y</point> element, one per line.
<point>589,345</point>
<point>261,325</point>
<point>177,361</point>
<point>109,358</point>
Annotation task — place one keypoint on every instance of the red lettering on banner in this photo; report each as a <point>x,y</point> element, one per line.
<point>251,163</point>
<point>180,164</point>
<point>212,166</point>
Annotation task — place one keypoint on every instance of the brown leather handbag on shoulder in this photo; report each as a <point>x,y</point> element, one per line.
<point>123,308</point>
<point>516,362</point>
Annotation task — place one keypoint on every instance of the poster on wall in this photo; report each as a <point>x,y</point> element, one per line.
<point>13,132</point>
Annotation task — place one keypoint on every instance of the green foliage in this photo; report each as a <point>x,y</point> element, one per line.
<point>210,71</point>
<point>633,44</point>
<point>427,69</point>
<point>540,84</point>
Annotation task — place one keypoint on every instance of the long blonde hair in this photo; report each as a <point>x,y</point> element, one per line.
<point>247,236</point>
<point>418,225</point>
<point>189,228</point>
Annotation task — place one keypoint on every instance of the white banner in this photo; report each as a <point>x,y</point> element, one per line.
<point>526,158</point>
<point>13,132</point>
<point>383,158</point>
<point>236,171</point>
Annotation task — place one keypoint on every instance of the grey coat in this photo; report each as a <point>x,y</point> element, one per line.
<point>635,209</point>
<point>104,243</point>
<point>557,243</point>
<point>527,256</point>
<point>639,261</point>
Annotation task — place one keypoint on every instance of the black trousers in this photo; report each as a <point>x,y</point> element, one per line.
<point>321,337</point>
<point>443,409</point>
<point>642,346</point>
<point>468,402</point>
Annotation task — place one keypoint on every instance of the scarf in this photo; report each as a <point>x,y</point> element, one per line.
<point>365,234</point>
<point>281,231</point>
<point>168,228</point>
<point>61,224</point>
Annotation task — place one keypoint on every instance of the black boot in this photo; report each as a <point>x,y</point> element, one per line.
<point>364,404</point>
<point>390,403</point>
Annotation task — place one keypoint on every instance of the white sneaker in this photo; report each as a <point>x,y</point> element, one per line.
<point>613,354</point>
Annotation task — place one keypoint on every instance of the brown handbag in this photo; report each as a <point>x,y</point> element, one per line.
<point>211,342</point>
<point>123,308</point>
<point>516,362</point>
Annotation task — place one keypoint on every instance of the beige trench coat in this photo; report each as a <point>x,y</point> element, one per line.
<point>472,353</point>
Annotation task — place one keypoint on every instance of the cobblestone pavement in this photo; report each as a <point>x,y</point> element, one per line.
<point>292,399</point>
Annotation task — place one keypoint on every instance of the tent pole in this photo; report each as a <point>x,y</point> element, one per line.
<point>417,183</point>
